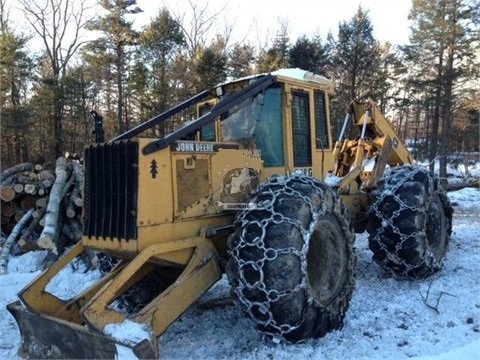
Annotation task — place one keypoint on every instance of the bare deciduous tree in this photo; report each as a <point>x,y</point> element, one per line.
<point>58,23</point>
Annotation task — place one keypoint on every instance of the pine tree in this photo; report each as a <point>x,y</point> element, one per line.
<point>211,64</point>
<point>159,43</point>
<point>310,55</point>
<point>355,55</point>
<point>444,38</point>
<point>276,56</point>
<point>15,73</point>
<point>240,60</point>
<point>118,35</point>
<point>152,83</point>
<point>355,60</point>
<point>79,95</point>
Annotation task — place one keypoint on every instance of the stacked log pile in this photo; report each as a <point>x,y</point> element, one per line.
<point>466,182</point>
<point>40,208</point>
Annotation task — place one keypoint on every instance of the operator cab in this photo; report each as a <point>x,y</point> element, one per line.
<point>286,123</point>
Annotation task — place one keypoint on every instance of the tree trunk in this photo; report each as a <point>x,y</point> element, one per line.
<point>57,124</point>
<point>47,238</point>
<point>436,114</point>
<point>11,239</point>
<point>121,124</point>
<point>447,104</point>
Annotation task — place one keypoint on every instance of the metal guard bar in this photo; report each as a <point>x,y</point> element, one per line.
<point>162,117</point>
<point>219,109</point>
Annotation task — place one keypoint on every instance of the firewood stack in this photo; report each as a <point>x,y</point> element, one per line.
<point>40,208</point>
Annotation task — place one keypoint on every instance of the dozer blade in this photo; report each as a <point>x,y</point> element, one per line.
<point>73,329</point>
<point>46,336</point>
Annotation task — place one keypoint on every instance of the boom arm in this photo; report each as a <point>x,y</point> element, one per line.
<point>378,141</point>
<point>379,128</point>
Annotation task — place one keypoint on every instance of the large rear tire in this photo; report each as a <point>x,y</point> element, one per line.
<point>410,223</point>
<point>292,259</point>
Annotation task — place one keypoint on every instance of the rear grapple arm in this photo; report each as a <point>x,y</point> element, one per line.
<point>377,142</point>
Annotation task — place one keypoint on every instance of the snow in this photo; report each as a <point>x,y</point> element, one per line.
<point>465,200</point>
<point>79,278</point>
<point>333,180</point>
<point>128,332</point>
<point>433,319</point>
<point>300,74</point>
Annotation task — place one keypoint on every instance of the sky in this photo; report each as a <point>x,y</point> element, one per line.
<point>257,20</point>
<point>386,319</point>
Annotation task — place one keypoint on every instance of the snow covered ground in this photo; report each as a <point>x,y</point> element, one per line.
<point>436,319</point>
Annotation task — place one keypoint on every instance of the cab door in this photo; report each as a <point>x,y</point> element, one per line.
<point>301,129</point>
<point>310,147</point>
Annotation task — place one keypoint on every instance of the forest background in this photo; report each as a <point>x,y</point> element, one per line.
<point>88,55</point>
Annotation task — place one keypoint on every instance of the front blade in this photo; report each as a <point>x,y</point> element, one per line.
<point>46,336</point>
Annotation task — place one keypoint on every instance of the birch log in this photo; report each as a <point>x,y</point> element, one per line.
<point>69,208</point>
<point>15,169</point>
<point>78,173</point>
<point>75,197</point>
<point>70,182</point>
<point>47,237</point>
<point>18,188</point>
<point>11,239</point>
<point>72,230</point>
<point>76,229</point>
<point>25,242</point>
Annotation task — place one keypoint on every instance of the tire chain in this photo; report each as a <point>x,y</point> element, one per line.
<point>398,177</point>
<point>280,187</point>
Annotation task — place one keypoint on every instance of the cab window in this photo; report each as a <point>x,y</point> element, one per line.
<point>207,132</point>
<point>321,128</point>
<point>302,148</point>
<point>259,119</point>
<point>268,133</point>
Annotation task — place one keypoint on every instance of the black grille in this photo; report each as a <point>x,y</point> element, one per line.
<point>110,193</point>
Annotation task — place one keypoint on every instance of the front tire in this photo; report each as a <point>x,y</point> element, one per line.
<point>410,223</point>
<point>292,260</point>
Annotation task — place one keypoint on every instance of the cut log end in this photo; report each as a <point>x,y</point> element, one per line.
<point>45,242</point>
<point>7,193</point>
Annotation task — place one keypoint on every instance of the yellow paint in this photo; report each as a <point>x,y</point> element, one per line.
<point>186,195</point>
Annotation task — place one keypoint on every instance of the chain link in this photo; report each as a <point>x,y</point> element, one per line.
<point>251,273</point>
<point>392,189</point>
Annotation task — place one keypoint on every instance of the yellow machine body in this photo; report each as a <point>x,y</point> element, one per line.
<point>168,204</point>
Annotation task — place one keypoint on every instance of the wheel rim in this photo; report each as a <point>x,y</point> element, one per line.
<point>436,235</point>
<point>326,262</point>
